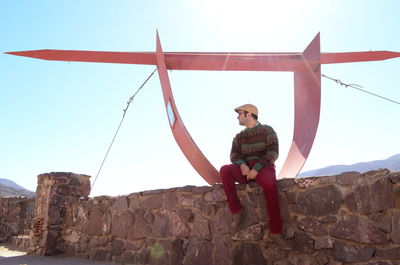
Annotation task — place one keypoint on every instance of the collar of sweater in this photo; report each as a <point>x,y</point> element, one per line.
<point>258,124</point>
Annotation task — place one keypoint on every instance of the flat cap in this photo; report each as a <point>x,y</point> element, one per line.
<point>249,108</point>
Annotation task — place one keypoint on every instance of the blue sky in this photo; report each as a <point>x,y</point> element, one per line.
<point>60,116</point>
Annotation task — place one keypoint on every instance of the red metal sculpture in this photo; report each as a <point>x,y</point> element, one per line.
<point>307,87</point>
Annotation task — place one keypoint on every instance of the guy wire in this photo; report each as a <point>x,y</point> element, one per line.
<point>120,123</point>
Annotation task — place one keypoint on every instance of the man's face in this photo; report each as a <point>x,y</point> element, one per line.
<point>242,117</point>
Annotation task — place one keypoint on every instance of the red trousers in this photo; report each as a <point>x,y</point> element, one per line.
<point>266,179</point>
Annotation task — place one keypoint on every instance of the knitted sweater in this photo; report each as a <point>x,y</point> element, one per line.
<point>259,144</point>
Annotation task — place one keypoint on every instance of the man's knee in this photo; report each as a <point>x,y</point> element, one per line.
<point>268,184</point>
<point>267,178</point>
<point>225,170</point>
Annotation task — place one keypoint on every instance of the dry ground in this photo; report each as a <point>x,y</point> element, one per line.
<point>10,255</point>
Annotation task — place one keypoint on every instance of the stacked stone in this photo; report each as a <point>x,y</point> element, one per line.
<point>55,194</point>
<point>16,214</point>
<point>350,218</point>
<point>9,217</point>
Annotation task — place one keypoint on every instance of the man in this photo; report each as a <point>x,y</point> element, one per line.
<point>253,154</point>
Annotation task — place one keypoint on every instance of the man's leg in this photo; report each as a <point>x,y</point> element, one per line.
<point>267,180</point>
<point>229,175</point>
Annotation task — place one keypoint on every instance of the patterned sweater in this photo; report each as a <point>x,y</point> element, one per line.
<point>259,144</point>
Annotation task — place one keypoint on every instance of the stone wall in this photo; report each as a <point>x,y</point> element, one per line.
<point>56,194</point>
<point>350,218</point>
<point>16,215</point>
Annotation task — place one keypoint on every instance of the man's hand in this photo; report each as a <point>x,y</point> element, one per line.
<point>252,174</point>
<point>245,169</point>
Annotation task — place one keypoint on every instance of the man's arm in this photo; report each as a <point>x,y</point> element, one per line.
<point>271,150</point>
<point>236,157</point>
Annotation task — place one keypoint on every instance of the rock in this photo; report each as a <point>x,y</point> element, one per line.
<point>381,263</point>
<point>134,201</point>
<point>198,252</point>
<point>303,242</point>
<point>207,209</point>
<point>323,242</point>
<point>253,233</point>
<point>383,221</point>
<point>380,190</point>
<point>54,212</point>
<point>301,260</point>
<point>176,252</point>
<point>376,173</point>
<point>186,199</point>
<point>149,217</point>
<point>134,245</point>
<point>215,196</point>
<point>140,229</point>
<point>395,234</point>
<point>151,202</point>
<point>128,257</point>
<point>312,226</point>
<point>325,180</point>
<point>348,178</point>
<point>161,225</point>
<point>63,189</point>
<point>349,253</point>
<point>284,209</point>
<point>99,222</point>
<point>274,253</point>
<point>358,229</point>
<point>70,250</point>
<point>120,204</point>
<point>121,224</point>
<point>220,253</point>
<point>350,202</point>
<point>98,241</point>
<point>170,201</point>
<point>291,197</point>
<point>328,219</point>
<point>200,228</point>
<point>285,184</point>
<point>247,253</point>
<point>202,190</point>
<point>99,255</point>
<point>391,254</point>
<point>186,215</point>
<point>84,188</point>
<point>222,221</point>
<point>72,237</point>
<point>117,247</point>
<point>394,177</point>
<point>319,201</point>
<point>252,215</point>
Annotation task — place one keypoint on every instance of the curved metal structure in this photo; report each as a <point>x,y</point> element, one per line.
<point>307,102</point>
<point>182,136</point>
<point>307,87</point>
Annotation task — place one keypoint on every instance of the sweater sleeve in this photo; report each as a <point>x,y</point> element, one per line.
<point>235,152</point>
<point>271,150</point>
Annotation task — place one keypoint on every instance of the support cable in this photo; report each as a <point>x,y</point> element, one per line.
<point>119,126</point>
<point>358,87</point>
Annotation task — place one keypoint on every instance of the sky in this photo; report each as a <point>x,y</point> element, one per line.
<point>61,117</point>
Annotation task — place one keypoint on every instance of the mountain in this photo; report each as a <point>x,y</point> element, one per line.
<point>10,188</point>
<point>11,184</point>
<point>392,163</point>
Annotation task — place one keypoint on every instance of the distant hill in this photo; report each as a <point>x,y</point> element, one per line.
<point>392,163</point>
<point>10,188</point>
